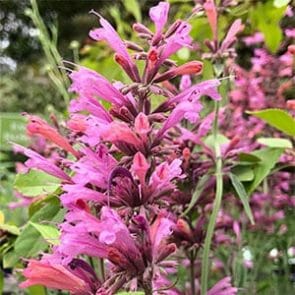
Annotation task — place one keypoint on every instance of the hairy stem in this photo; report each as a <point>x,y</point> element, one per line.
<point>216,206</point>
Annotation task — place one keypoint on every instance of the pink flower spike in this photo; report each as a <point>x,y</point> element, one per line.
<point>140,166</point>
<point>38,126</point>
<point>185,82</point>
<point>212,15</point>
<point>159,15</point>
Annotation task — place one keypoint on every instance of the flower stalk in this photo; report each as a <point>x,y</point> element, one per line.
<point>216,205</point>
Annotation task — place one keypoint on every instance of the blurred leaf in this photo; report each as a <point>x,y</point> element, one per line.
<point>183,53</point>
<point>36,183</point>
<point>198,191</point>
<point>267,17</point>
<point>48,232</point>
<point>2,217</point>
<point>275,142</point>
<point>244,173</point>
<point>132,6</point>
<point>221,139</point>
<point>269,157</point>
<point>277,118</point>
<point>12,229</point>
<point>37,290</point>
<point>281,3</point>
<point>1,281</point>
<point>244,157</point>
<point>241,192</point>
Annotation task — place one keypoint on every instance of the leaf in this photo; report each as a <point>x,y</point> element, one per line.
<point>275,142</point>
<point>199,189</point>
<point>280,3</point>
<point>133,7</point>
<point>250,158</point>
<point>241,192</point>
<point>12,229</point>
<point>48,232</point>
<point>221,139</point>
<point>1,281</point>
<point>36,183</point>
<point>30,242</point>
<point>244,173</point>
<point>269,157</point>
<point>277,118</point>
<point>37,290</point>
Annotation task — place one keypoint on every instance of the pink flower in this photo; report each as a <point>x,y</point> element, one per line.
<point>39,162</point>
<point>159,15</point>
<point>91,85</point>
<point>223,287</point>
<point>54,276</point>
<point>230,37</point>
<point>38,126</point>
<point>140,167</point>
<point>211,13</point>
<point>108,34</point>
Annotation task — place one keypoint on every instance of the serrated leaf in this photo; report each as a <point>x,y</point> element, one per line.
<point>277,118</point>
<point>198,191</point>
<point>30,242</point>
<point>48,232</point>
<point>275,142</point>
<point>36,183</point>
<point>241,192</point>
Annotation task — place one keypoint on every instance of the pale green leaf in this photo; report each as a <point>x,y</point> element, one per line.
<point>198,191</point>
<point>281,3</point>
<point>275,142</point>
<point>36,183</point>
<point>48,232</point>
<point>241,192</point>
<point>133,7</point>
<point>277,118</point>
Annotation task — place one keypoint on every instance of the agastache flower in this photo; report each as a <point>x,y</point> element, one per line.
<point>57,276</point>
<point>223,287</point>
<point>38,126</point>
<point>108,34</point>
<point>159,15</point>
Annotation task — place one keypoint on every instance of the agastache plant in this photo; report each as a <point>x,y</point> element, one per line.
<point>129,172</point>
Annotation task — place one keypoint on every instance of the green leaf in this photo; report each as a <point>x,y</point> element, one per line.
<point>244,173</point>
<point>48,232</point>
<point>132,6</point>
<point>36,183</point>
<point>12,229</point>
<point>241,192</point>
<point>250,158</point>
<point>221,139</point>
<point>30,242</point>
<point>269,157</point>
<point>275,142</point>
<point>1,281</point>
<point>183,53</point>
<point>280,3</point>
<point>266,18</point>
<point>37,290</point>
<point>198,191</point>
<point>277,118</point>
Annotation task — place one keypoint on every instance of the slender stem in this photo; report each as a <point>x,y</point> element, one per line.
<point>192,273</point>
<point>102,270</point>
<point>216,206</point>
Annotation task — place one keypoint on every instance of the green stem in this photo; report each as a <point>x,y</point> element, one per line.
<point>216,206</point>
